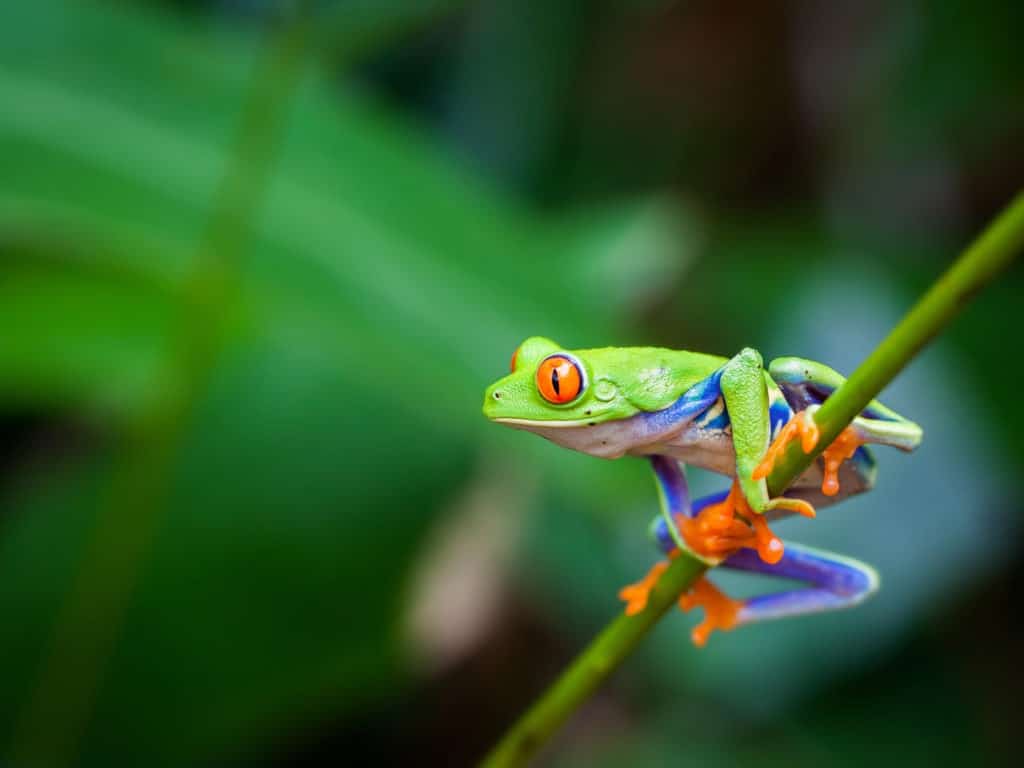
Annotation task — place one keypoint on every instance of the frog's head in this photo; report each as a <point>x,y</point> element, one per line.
<point>581,399</point>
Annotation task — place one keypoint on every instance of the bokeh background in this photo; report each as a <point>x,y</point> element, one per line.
<point>259,260</point>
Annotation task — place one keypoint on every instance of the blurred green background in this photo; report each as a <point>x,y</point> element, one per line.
<point>259,260</point>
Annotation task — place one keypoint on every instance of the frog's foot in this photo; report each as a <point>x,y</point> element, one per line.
<point>720,611</point>
<point>635,595</point>
<point>801,425</point>
<point>799,506</point>
<point>720,529</point>
<point>716,531</point>
<point>842,448</point>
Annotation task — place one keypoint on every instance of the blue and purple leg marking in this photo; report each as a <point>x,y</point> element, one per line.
<point>675,497</point>
<point>835,582</point>
<point>675,502</point>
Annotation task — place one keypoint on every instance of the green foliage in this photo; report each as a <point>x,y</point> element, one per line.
<point>380,289</point>
<point>337,423</point>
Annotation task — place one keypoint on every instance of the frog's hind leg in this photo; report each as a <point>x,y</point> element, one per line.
<point>674,495</point>
<point>717,534</point>
<point>833,581</point>
<point>806,384</point>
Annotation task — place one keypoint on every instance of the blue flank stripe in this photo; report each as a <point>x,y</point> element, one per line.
<point>693,401</point>
<point>720,422</point>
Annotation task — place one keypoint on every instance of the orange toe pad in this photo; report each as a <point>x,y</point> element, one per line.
<point>720,611</point>
<point>842,448</point>
<point>636,595</point>
<point>802,425</point>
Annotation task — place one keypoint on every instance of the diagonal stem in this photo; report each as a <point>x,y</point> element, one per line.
<point>990,253</point>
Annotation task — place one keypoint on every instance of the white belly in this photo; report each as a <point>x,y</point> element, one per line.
<point>710,449</point>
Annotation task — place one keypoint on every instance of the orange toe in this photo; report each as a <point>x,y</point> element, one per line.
<point>801,425</point>
<point>841,449</point>
<point>769,546</point>
<point>723,528</point>
<point>636,595</point>
<point>799,506</point>
<point>720,611</point>
<point>716,531</point>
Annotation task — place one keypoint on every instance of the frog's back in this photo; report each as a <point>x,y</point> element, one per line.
<point>652,378</point>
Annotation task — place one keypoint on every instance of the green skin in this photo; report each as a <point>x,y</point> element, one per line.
<point>627,390</point>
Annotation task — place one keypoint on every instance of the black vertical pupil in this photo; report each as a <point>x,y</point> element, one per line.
<point>554,381</point>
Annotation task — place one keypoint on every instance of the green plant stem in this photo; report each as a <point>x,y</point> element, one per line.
<point>991,252</point>
<point>604,654</point>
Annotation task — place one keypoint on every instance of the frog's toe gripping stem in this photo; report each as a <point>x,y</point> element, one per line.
<point>723,526</point>
<point>799,506</point>
<point>720,611</point>
<point>842,448</point>
<point>723,523</point>
<point>636,595</point>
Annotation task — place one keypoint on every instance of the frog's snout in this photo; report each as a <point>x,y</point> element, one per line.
<point>492,400</point>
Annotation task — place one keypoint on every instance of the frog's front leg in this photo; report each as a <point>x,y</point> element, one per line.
<point>745,390</point>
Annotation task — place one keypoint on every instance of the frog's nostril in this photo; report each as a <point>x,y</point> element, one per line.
<point>497,395</point>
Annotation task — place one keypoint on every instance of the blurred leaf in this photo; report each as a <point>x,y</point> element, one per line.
<point>380,294</point>
<point>511,95</point>
<point>352,27</point>
<point>105,332</point>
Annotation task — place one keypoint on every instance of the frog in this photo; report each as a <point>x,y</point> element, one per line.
<point>732,416</point>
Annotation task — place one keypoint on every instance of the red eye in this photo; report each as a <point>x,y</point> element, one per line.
<point>515,357</point>
<point>559,379</point>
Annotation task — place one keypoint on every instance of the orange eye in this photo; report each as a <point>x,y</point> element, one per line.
<point>559,379</point>
<point>515,357</point>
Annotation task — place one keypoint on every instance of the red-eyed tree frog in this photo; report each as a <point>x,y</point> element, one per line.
<point>730,416</point>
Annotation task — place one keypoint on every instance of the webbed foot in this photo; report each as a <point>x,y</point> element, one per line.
<point>717,530</point>
<point>842,448</point>
<point>636,595</point>
<point>720,611</point>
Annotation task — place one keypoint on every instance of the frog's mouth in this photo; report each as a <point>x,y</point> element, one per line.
<point>607,440</point>
<point>540,423</point>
